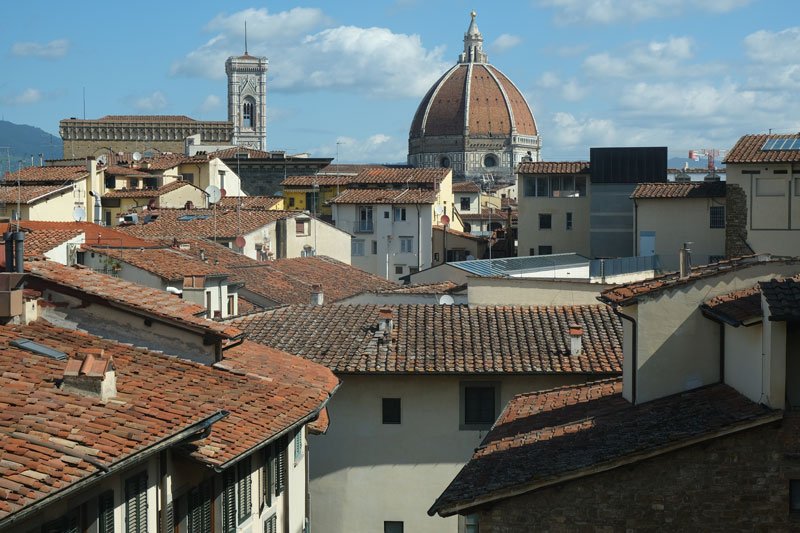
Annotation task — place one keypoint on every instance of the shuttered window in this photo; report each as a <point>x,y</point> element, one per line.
<point>298,446</point>
<point>105,512</point>
<point>229,501</point>
<point>280,466</point>
<point>271,524</point>
<point>66,524</point>
<point>136,504</point>
<point>268,476</point>
<point>243,495</point>
<point>198,518</point>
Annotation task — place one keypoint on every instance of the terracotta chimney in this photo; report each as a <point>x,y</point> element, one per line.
<point>575,339</point>
<point>385,320</point>
<point>317,296</point>
<point>90,373</point>
<point>685,259</point>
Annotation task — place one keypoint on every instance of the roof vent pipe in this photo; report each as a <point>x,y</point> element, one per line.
<point>19,239</point>
<point>9,242</point>
<point>317,296</point>
<point>98,217</point>
<point>685,259</point>
<point>575,339</point>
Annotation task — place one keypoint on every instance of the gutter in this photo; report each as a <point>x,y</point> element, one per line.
<point>634,348</point>
<point>198,428</point>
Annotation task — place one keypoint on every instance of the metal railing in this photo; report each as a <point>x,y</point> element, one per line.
<point>599,268</point>
<point>363,226</point>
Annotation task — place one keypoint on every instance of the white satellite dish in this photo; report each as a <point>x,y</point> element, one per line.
<point>214,194</point>
<point>79,214</point>
<point>446,299</point>
<point>137,156</point>
<point>102,159</point>
<point>438,210</point>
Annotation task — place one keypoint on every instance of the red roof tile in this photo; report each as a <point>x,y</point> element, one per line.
<point>146,193</point>
<point>224,224</point>
<point>736,307</point>
<point>466,186</point>
<point>117,170</point>
<point>29,194</point>
<point>322,181</point>
<point>543,438</point>
<point>250,202</point>
<point>432,339</point>
<point>386,196</point>
<point>697,189</point>
<point>59,175</point>
<point>443,287</point>
<point>748,149</point>
<point>95,234</point>
<point>553,167</point>
<point>167,263</point>
<point>463,234</point>
<point>783,298</point>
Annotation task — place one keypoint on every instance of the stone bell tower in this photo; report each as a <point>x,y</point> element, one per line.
<point>247,99</point>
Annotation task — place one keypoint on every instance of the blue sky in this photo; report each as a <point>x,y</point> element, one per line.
<point>595,72</point>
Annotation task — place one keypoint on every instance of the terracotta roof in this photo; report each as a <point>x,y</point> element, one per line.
<point>29,194</point>
<point>117,170</point>
<point>431,339</point>
<point>48,174</point>
<point>95,234</point>
<point>443,287</point>
<point>748,149</point>
<point>337,168</point>
<point>145,118</point>
<point>250,202</point>
<point>499,215</point>
<point>167,263</point>
<point>697,189</point>
<point>52,438</point>
<point>386,196</point>
<point>735,308</point>
<point>38,243</point>
<point>466,186</point>
<point>252,153</point>
<point>783,298</point>
<point>322,181</point>
<point>146,193</point>
<point>463,234</point>
<point>402,175</point>
<point>193,223</point>
<point>631,292</point>
<point>288,281</point>
<point>551,436</point>
<point>130,296</point>
<point>553,167</point>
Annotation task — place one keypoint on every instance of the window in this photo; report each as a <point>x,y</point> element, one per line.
<point>105,512</point>
<point>248,119</point>
<point>386,214</point>
<point>569,221</point>
<point>717,216</point>
<point>243,498</point>
<point>398,269</point>
<point>545,221</point>
<point>110,182</point>
<point>797,186</point>
<point>794,495</point>
<point>478,406</point>
<point>198,515</point>
<point>532,251</point>
<point>364,224</point>
<point>298,446</point>
<point>136,503</point>
<point>542,187</point>
<point>374,247</point>
<point>302,228</point>
<point>406,245</point>
<point>236,498</point>
<point>281,466</point>
<point>456,255</point>
<point>271,524</point>
<point>399,214</point>
<point>444,162</point>
<point>545,250</point>
<point>68,523</point>
<point>357,247</point>
<point>490,161</point>
<point>291,201</point>
<point>392,527</point>
<point>391,410</point>
<point>150,183</point>
<point>470,523</point>
<point>133,183</point>
<point>231,305</point>
<point>188,177</point>
<point>465,203</point>
<point>770,187</point>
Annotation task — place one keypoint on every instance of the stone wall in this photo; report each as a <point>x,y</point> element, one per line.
<point>82,148</point>
<point>735,483</point>
<point>736,222</point>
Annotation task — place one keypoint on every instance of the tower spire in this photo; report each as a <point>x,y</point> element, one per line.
<point>473,44</point>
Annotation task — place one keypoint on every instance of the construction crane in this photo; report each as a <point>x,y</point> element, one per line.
<point>711,154</point>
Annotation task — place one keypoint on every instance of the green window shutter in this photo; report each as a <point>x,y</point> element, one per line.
<point>268,476</point>
<point>136,504</point>
<point>271,524</point>
<point>280,466</point>
<point>198,519</point>
<point>170,517</point>
<point>105,512</point>
<point>244,496</point>
<point>229,501</point>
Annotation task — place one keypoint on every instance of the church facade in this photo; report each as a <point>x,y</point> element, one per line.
<point>246,125</point>
<point>473,120</point>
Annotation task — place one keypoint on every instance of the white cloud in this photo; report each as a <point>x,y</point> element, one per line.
<point>573,91</point>
<point>664,58</point>
<point>52,50</point>
<point>377,148</point>
<point>373,61</point>
<point>26,97</point>
<point>154,102</point>
<point>505,41</point>
<point>211,103</point>
<point>773,47</point>
<point>611,11</point>
<point>548,80</point>
<point>570,132</point>
<point>570,91</point>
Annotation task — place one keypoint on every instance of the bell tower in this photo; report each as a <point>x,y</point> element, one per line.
<point>247,99</point>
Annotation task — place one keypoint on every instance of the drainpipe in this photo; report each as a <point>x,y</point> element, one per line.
<point>634,345</point>
<point>19,238</point>
<point>419,239</point>
<point>98,218</point>
<point>9,242</point>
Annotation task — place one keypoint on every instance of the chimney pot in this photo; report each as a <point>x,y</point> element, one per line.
<point>685,260</point>
<point>317,296</point>
<point>90,373</point>
<point>575,339</point>
<point>386,323</point>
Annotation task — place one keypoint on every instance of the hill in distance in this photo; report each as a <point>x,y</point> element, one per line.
<point>18,142</point>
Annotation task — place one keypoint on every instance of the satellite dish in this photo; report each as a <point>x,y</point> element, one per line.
<point>223,193</point>
<point>214,194</point>
<point>102,159</point>
<point>445,220</point>
<point>446,299</point>
<point>240,241</point>
<point>439,210</point>
<point>79,214</point>
<point>137,156</point>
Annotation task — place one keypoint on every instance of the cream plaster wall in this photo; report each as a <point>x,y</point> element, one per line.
<point>529,291</point>
<point>744,370</point>
<point>323,237</point>
<point>559,237</point>
<point>56,208</point>
<point>364,472</point>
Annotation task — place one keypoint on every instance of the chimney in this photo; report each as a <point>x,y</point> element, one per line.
<point>685,259</point>
<point>385,323</point>
<point>575,339</point>
<point>90,373</point>
<point>317,296</point>
<point>11,297</point>
<point>19,252</point>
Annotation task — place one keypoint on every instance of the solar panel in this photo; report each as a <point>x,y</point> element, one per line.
<point>782,143</point>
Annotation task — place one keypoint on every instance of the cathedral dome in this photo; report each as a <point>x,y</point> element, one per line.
<point>473,118</point>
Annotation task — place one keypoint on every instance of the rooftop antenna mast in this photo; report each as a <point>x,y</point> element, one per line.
<point>245,37</point>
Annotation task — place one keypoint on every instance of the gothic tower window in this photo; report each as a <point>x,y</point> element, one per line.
<point>248,113</point>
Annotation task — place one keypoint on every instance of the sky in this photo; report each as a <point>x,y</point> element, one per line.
<point>349,75</point>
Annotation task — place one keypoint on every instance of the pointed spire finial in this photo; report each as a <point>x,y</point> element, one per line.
<point>245,37</point>
<point>473,43</point>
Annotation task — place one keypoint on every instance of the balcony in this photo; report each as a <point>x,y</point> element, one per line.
<point>363,226</point>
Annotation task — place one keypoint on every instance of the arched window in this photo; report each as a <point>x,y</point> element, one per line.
<point>490,161</point>
<point>444,162</point>
<point>248,113</point>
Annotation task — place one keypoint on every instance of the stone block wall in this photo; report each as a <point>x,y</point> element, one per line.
<point>736,222</point>
<point>738,482</point>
